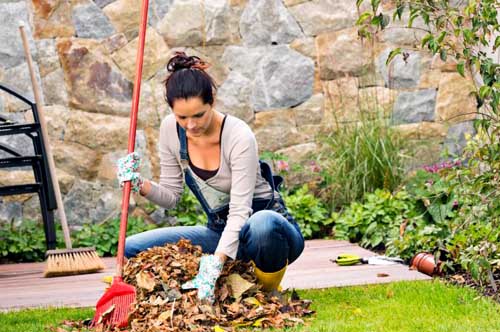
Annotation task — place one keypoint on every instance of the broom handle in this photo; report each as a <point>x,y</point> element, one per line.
<point>45,137</point>
<point>131,134</point>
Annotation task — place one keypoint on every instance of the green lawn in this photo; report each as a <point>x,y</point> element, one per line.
<point>401,307</point>
<point>37,320</point>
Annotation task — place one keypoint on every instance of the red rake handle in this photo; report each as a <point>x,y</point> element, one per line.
<point>131,134</point>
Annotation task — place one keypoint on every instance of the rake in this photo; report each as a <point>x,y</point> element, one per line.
<point>114,306</point>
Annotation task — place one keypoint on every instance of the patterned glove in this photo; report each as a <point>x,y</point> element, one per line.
<point>128,168</point>
<point>209,272</point>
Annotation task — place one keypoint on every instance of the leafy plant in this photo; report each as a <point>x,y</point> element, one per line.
<point>435,206</point>
<point>358,159</point>
<point>104,236</point>
<point>24,242</point>
<point>376,220</point>
<point>434,196</point>
<point>309,212</point>
<point>461,218</point>
<point>479,215</point>
<point>188,211</point>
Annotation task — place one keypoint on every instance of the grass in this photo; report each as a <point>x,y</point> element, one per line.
<point>402,307</point>
<point>38,320</point>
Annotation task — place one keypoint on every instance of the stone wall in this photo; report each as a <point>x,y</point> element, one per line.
<point>290,68</point>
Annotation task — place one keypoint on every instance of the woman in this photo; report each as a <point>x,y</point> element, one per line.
<point>216,156</point>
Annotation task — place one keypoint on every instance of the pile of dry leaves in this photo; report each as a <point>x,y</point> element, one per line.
<point>161,305</point>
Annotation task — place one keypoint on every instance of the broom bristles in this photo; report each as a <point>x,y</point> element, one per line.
<point>72,261</point>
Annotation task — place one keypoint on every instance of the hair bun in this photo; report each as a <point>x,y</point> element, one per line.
<point>182,61</point>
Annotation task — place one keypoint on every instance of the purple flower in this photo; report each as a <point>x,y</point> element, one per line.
<point>443,165</point>
<point>455,204</point>
<point>282,166</point>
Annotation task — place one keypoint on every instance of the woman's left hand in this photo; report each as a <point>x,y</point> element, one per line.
<point>208,273</point>
<point>128,170</point>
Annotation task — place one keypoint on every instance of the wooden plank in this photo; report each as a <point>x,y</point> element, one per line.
<point>23,285</point>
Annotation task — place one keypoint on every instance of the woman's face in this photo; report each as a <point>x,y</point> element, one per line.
<point>193,115</point>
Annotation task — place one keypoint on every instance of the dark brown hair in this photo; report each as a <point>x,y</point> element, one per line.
<point>188,79</point>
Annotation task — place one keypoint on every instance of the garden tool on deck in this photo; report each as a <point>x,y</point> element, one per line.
<point>62,261</point>
<point>350,259</point>
<point>114,307</point>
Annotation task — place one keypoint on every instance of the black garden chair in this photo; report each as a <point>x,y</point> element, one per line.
<point>37,161</point>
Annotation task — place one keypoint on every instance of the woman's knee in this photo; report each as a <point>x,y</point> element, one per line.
<point>269,232</point>
<point>265,223</point>
<point>132,247</point>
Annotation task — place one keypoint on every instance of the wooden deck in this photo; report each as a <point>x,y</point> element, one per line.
<point>23,285</point>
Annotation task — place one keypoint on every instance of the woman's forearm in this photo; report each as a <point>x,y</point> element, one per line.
<point>146,188</point>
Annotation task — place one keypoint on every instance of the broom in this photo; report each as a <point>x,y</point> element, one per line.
<point>63,261</point>
<point>113,308</point>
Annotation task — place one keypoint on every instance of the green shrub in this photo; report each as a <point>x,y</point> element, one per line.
<point>451,212</point>
<point>376,220</point>
<point>104,236</point>
<point>468,235</point>
<point>25,242</point>
<point>436,205</point>
<point>358,159</point>
<point>188,211</point>
<point>463,233</point>
<point>309,212</point>
<point>434,195</point>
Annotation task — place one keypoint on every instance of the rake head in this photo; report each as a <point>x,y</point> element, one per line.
<point>114,307</point>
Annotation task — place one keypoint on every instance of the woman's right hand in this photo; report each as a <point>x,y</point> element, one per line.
<point>128,170</point>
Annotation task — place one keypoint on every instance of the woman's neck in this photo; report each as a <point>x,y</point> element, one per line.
<point>213,132</point>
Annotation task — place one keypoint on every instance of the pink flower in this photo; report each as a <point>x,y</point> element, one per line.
<point>282,166</point>
<point>315,168</point>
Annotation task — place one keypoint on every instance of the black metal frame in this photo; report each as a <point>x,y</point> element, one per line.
<point>43,183</point>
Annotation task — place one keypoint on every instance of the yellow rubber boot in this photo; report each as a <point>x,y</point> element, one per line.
<point>269,280</point>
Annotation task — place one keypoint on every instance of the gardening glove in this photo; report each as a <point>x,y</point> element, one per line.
<point>209,271</point>
<point>128,168</point>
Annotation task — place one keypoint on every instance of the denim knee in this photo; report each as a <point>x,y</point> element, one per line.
<point>265,226</point>
<point>264,240</point>
<point>131,247</point>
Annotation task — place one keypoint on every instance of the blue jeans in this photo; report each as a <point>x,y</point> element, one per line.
<point>267,238</point>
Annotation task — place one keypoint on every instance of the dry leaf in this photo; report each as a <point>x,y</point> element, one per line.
<point>238,285</point>
<point>145,280</point>
<point>458,278</point>
<point>106,314</point>
<point>382,275</point>
<point>164,316</point>
<point>252,300</point>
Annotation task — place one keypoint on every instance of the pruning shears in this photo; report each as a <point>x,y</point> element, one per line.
<point>351,259</point>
